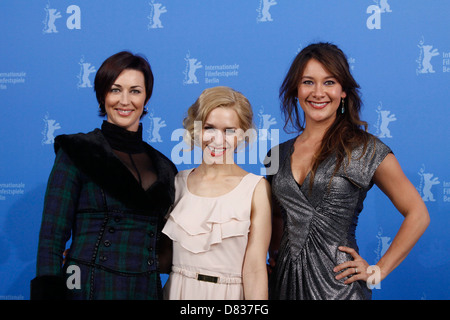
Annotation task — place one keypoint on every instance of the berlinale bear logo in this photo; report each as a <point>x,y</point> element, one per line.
<point>51,15</point>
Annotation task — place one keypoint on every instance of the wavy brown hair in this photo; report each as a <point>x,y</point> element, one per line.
<point>348,130</point>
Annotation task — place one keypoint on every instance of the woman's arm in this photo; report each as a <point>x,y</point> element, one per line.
<point>390,178</point>
<point>254,272</point>
<point>57,220</point>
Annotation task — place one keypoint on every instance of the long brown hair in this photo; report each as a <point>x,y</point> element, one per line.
<point>348,130</point>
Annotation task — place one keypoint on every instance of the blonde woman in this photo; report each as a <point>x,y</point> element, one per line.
<point>220,224</point>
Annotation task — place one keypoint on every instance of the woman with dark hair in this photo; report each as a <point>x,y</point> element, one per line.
<point>324,175</point>
<point>109,191</point>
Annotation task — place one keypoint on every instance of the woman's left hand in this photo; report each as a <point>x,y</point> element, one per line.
<point>356,268</point>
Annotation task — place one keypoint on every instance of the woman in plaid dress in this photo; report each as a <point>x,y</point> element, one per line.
<point>108,193</point>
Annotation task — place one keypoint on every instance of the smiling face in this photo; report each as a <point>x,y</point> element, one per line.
<point>319,93</point>
<point>124,103</point>
<point>220,135</point>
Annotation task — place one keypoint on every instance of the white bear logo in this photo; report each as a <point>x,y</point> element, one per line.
<point>263,10</point>
<point>85,71</point>
<point>426,55</point>
<point>49,131</point>
<point>265,122</point>
<point>155,15</point>
<point>426,182</point>
<point>384,119</point>
<point>192,65</point>
<point>50,18</point>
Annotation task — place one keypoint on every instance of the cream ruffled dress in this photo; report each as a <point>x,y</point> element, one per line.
<point>210,237</point>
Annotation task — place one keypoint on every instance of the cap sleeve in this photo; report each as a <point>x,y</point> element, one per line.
<point>364,163</point>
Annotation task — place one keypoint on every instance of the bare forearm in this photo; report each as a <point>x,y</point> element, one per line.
<point>256,284</point>
<point>409,233</point>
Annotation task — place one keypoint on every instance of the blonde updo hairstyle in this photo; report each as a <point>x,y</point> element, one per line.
<point>216,97</point>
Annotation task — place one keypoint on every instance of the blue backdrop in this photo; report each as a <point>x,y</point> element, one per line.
<point>399,52</point>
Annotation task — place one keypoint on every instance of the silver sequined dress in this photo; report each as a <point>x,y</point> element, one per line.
<point>317,222</point>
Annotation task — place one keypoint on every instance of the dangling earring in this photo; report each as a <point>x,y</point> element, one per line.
<point>342,106</point>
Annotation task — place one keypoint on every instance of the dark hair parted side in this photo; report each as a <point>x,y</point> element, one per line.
<point>348,130</point>
<point>112,67</point>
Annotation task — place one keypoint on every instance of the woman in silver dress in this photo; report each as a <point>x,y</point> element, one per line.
<point>324,175</point>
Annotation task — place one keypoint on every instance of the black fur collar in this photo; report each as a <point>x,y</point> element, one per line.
<point>92,154</point>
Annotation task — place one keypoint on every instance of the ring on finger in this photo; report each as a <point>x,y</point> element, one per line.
<point>356,270</point>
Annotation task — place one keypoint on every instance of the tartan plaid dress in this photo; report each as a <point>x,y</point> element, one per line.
<point>113,224</point>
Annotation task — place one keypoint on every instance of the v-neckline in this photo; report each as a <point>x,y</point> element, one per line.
<point>315,195</point>
<point>291,152</point>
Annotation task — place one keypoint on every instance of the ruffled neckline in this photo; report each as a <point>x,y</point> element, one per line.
<point>216,197</point>
<point>197,222</point>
